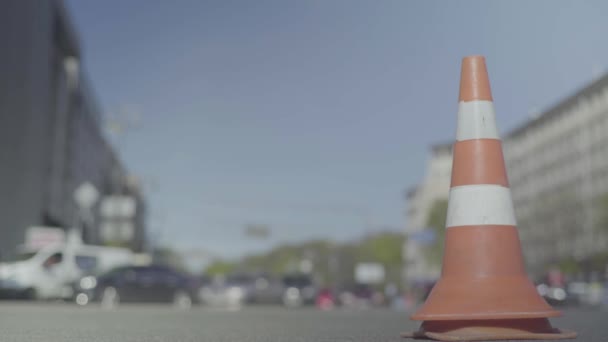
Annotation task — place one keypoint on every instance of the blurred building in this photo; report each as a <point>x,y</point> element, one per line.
<point>558,172</point>
<point>420,200</point>
<point>557,165</point>
<point>51,137</point>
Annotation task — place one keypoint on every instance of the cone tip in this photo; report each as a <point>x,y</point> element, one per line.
<point>474,81</point>
<point>476,57</point>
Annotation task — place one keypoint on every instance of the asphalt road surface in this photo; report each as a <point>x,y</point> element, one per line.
<point>49,322</point>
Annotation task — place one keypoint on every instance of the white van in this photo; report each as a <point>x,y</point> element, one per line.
<point>47,273</point>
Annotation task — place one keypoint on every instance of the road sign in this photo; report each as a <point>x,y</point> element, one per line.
<point>117,231</point>
<point>86,195</point>
<point>38,237</point>
<point>369,273</point>
<point>116,206</point>
<point>117,218</point>
<point>424,237</point>
<point>257,231</point>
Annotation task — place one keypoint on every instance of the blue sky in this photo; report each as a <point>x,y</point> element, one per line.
<point>313,116</point>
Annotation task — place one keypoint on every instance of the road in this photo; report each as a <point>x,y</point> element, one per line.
<point>49,322</point>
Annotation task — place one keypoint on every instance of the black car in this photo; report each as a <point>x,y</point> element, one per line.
<point>155,283</point>
<point>299,290</point>
<point>265,289</point>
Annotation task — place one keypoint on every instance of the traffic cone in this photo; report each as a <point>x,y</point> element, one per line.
<point>484,292</point>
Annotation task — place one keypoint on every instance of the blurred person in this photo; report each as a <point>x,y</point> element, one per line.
<point>378,298</point>
<point>325,299</point>
<point>393,297</point>
<point>391,291</point>
<point>555,277</point>
<point>53,260</point>
<point>595,291</point>
<point>409,300</point>
<point>421,290</point>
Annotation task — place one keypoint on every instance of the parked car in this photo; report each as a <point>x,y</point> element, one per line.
<point>47,273</point>
<point>228,292</point>
<point>266,289</point>
<point>155,283</point>
<point>299,289</point>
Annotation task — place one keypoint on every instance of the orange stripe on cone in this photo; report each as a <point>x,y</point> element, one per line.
<point>492,255</point>
<point>478,161</point>
<point>484,292</point>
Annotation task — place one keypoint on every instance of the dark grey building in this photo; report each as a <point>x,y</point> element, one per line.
<point>51,138</point>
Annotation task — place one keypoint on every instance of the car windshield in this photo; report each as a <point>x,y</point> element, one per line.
<point>86,263</point>
<point>297,281</point>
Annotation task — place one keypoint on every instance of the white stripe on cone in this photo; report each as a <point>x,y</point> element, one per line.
<point>476,120</point>
<point>481,204</point>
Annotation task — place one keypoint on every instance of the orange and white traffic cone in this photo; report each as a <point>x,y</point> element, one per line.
<point>484,292</point>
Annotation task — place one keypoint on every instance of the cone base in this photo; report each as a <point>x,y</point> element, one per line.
<point>493,330</point>
<point>483,278</point>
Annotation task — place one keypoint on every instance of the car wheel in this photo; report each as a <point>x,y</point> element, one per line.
<point>82,299</point>
<point>182,300</point>
<point>109,298</point>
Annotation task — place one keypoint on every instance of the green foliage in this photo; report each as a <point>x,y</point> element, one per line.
<point>220,268</point>
<point>569,266</point>
<point>436,221</point>
<point>384,249</point>
<point>332,263</point>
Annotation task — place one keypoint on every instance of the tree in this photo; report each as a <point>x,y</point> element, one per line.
<point>436,222</point>
<point>332,263</point>
<point>569,266</point>
<point>386,249</point>
<point>220,267</point>
<point>383,248</point>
